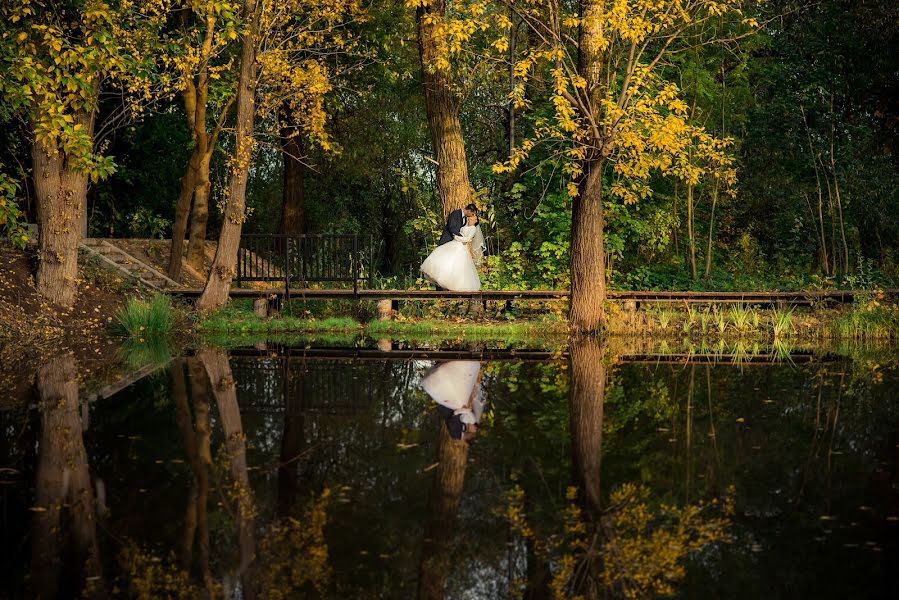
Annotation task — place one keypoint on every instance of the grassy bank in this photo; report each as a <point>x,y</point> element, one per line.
<point>869,321</point>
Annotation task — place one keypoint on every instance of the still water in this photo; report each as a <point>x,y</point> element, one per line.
<point>275,472</point>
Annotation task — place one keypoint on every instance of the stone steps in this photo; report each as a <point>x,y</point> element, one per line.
<point>126,264</point>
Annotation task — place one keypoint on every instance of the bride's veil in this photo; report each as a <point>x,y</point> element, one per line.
<point>478,245</point>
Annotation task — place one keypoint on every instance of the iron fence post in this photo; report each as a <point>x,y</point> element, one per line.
<point>371,261</point>
<point>286,269</point>
<point>356,266</point>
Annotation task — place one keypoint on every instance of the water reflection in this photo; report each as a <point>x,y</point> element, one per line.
<point>65,555</point>
<point>267,472</point>
<point>456,388</point>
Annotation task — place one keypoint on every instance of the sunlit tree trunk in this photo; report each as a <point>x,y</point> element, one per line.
<point>218,283</point>
<point>442,108</point>
<point>195,184</point>
<point>588,275</point>
<point>225,392</point>
<point>691,232</point>
<point>65,512</point>
<point>196,245</point>
<point>61,194</point>
<point>443,508</point>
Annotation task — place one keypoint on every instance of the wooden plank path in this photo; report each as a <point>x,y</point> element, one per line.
<point>675,297</point>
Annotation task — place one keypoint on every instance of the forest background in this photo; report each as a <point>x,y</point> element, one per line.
<point>809,96</point>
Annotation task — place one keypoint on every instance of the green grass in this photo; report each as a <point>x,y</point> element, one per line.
<point>142,319</point>
<point>879,323</point>
<point>500,330</point>
<point>238,317</point>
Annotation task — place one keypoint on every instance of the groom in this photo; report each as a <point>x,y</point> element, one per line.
<point>455,221</point>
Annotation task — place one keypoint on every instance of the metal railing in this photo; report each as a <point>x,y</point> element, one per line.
<point>305,259</point>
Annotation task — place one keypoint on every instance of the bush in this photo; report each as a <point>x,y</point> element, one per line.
<point>141,319</point>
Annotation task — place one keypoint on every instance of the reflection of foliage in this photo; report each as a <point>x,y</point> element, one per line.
<point>643,550</point>
<point>149,576</point>
<point>139,353</point>
<point>294,554</point>
<point>641,547</point>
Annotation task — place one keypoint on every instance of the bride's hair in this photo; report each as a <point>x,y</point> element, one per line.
<point>471,207</point>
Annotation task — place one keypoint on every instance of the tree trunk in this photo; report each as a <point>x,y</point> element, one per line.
<point>64,497</point>
<point>182,210</point>
<point>196,246</point>
<point>691,232</point>
<point>61,198</point>
<point>588,261</point>
<point>293,213</point>
<point>442,108</point>
<point>588,266</point>
<point>225,392</point>
<point>443,506</point>
<point>218,282</point>
<point>708,254</point>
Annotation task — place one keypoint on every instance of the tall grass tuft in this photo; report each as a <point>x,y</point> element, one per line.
<point>782,322</point>
<point>720,320</point>
<point>665,317</point>
<point>141,319</point>
<point>868,324</point>
<point>741,317</point>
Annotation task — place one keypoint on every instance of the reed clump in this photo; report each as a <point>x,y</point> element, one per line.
<point>142,319</point>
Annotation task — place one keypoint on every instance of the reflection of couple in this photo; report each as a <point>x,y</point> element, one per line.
<point>456,388</point>
<point>453,263</point>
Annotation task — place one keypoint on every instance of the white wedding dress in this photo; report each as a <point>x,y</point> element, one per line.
<point>455,385</point>
<point>451,266</point>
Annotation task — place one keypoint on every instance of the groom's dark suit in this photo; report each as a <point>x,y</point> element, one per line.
<point>454,223</point>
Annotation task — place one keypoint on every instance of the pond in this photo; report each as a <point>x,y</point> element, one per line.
<point>279,472</point>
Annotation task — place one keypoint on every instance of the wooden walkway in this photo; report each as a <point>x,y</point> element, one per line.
<point>764,298</point>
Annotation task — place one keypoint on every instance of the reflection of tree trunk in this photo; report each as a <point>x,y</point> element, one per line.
<point>586,395</point>
<point>225,392</point>
<point>292,444</point>
<point>539,576</point>
<point>197,446</point>
<point>443,506</point>
<point>63,483</point>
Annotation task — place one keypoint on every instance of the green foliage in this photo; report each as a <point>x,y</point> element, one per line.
<point>10,223</point>
<point>141,319</point>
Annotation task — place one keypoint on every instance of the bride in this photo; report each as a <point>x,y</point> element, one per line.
<point>453,265</point>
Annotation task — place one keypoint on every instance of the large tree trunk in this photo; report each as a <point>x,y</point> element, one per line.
<point>443,507</point>
<point>225,392</point>
<point>442,107</point>
<point>588,265</point>
<point>293,213</point>
<point>61,200</point>
<point>588,268</point>
<point>64,517</point>
<point>218,283</point>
